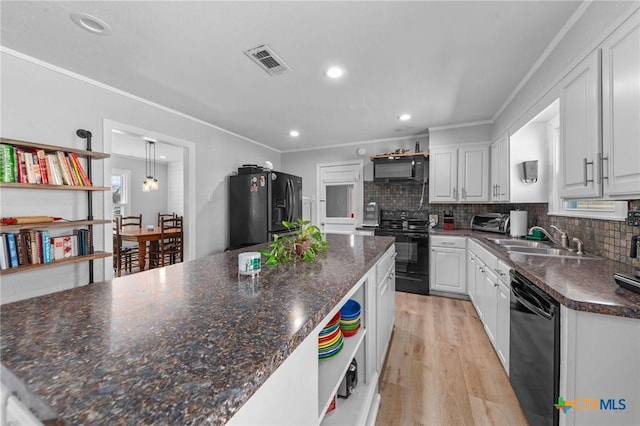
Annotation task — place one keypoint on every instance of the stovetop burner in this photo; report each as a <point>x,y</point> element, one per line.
<point>406,220</point>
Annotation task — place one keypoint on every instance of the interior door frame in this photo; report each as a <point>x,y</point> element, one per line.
<point>189,162</point>
<point>359,185</point>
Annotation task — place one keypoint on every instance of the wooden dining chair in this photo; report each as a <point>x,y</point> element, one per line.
<point>170,247</point>
<point>165,216</point>
<point>123,256</point>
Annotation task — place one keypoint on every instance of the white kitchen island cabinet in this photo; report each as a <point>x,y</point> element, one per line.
<point>194,343</point>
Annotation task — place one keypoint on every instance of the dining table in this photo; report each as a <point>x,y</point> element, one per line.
<point>142,236</point>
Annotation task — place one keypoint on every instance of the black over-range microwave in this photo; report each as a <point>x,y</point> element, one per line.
<point>410,168</point>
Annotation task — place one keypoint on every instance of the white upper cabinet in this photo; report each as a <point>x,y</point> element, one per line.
<point>500,170</point>
<point>580,130</point>
<point>459,174</point>
<point>443,175</point>
<point>621,110</point>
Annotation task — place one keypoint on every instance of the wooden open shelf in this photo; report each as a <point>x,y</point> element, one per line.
<point>47,186</point>
<point>56,224</point>
<point>406,154</point>
<point>74,259</point>
<point>80,152</point>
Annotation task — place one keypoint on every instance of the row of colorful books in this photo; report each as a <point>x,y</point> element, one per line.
<point>31,246</point>
<point>19,165</point>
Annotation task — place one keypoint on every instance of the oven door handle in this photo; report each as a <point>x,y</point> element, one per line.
<point>520,297</point>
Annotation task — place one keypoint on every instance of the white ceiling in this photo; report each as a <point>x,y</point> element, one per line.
<point>130,145</point>
<point>444,62</point>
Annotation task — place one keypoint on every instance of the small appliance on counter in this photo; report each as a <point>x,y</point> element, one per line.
<point>371,214</point>
<point>491,222</point>
<point>631,282</point>
<point>518,223</point>
<point>448,222</point>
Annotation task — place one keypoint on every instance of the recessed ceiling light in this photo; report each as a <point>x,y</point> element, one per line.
<point>334,72</point>
<point>404,117</point>
<point>91,23</point>
<point>294,133</point>
<point>162,157</point>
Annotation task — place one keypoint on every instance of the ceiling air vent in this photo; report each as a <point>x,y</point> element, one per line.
<point>267,60</point>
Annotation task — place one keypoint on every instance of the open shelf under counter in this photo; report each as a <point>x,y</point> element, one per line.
<point>349,411</point>
<point>73,259</point>
<point>331,371</point>
<point>55,224</point>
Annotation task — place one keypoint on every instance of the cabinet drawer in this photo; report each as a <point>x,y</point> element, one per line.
<point>489,259</point>
<point>451,242</point>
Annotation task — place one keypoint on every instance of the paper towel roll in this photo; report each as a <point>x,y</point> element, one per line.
<point>518,223</point>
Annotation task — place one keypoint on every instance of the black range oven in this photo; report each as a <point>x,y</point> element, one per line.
<point>410,229</point>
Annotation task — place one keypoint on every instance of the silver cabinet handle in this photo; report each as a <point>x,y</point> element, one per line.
<point>472,260</point>
<point>495,284</point>
<point>455,193</point>
<point>464,193</point>
<point>390,277</point>
<point>586,163</point>
<point>601,160</point>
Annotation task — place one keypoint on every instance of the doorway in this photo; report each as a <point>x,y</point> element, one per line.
<point>129,150</point>
<point>340,196</point>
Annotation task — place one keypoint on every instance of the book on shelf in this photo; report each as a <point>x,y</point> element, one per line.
<point>21,167</point>
<point>36,168</point>
<point>32,243</point>
<point>74,169</point>
<point>53,167</point>
<point>45,239</point>
<point>21,247</point>
<point>83,174</point>
<point>64,165</point>
<point>7,163</point>
<point>57,247</point>
<point>42,163</point>
<point>12,250</point>
<point>28,159</point>
<point>4,258</point>
<point>68,246</point>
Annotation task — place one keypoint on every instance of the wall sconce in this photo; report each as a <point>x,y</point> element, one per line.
<point>150,183</point>
<point>530,171</point>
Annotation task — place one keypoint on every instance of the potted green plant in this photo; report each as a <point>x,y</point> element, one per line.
<point>304,244</point>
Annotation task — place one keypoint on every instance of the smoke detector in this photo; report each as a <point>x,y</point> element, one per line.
<point>267,59</point>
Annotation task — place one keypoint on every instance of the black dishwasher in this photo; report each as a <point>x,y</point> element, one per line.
<point>534,351</point>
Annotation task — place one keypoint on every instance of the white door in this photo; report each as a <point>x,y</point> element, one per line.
<point>340,196</point>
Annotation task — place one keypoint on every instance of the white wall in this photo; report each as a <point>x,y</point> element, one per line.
<point>527,144</point>
<point>44,105</point>
<point>148,204</point>
<point>460,135</point>
<point>598,20</point>
<point>175,186</point>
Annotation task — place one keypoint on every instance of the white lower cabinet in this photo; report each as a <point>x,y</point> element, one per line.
<point>489,290</point>
<point>503,314</point>
<point>447,264</point>
<point>285,399</point>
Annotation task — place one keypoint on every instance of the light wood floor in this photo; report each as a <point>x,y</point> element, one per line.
<point>442,370</point>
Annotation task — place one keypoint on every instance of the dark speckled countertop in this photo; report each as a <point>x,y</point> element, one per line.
<point>579,284</point>
<point>186,344</point>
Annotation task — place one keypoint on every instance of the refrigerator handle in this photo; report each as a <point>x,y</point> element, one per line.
<point>292,200</point>
<point>287,201</point>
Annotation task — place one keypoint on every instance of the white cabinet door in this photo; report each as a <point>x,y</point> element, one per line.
<point>443,175</point>
<point>502,323</point>
<point>382,303</point>
<point>473,174</point>
<point>471,277</point>
<point>391,297</point>
<point>479,283</point>
<point>490,303</point>
<point>448,270</point>
<point>500,169</point>
<point>580,130</point>
<point>621,109</point>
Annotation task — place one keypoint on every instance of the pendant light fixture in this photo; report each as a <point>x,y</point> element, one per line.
<point>150,183</point>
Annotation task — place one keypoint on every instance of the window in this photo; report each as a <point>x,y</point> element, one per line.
<point>120,191</point>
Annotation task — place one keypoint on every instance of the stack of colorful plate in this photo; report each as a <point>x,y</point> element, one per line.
<point>350,318</point>
<point>330,339</point>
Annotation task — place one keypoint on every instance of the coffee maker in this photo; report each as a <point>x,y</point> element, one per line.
<point>631,282</point>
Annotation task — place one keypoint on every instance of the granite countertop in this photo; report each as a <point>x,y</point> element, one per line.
<point>186,344</point>
<point>579,284</point>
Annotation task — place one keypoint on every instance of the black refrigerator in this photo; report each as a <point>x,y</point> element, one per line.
<point>258,203</point>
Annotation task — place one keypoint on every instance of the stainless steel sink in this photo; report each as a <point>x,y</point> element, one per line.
<point>517,243</point>
<point>548,251</point>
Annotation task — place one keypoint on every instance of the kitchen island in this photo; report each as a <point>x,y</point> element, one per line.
<point>186,344</point>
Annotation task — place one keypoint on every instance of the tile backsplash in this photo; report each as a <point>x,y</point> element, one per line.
<point>607,238</point>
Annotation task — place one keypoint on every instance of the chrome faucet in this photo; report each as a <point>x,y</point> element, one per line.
<point>544,231</point>
<point>564,238</point>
